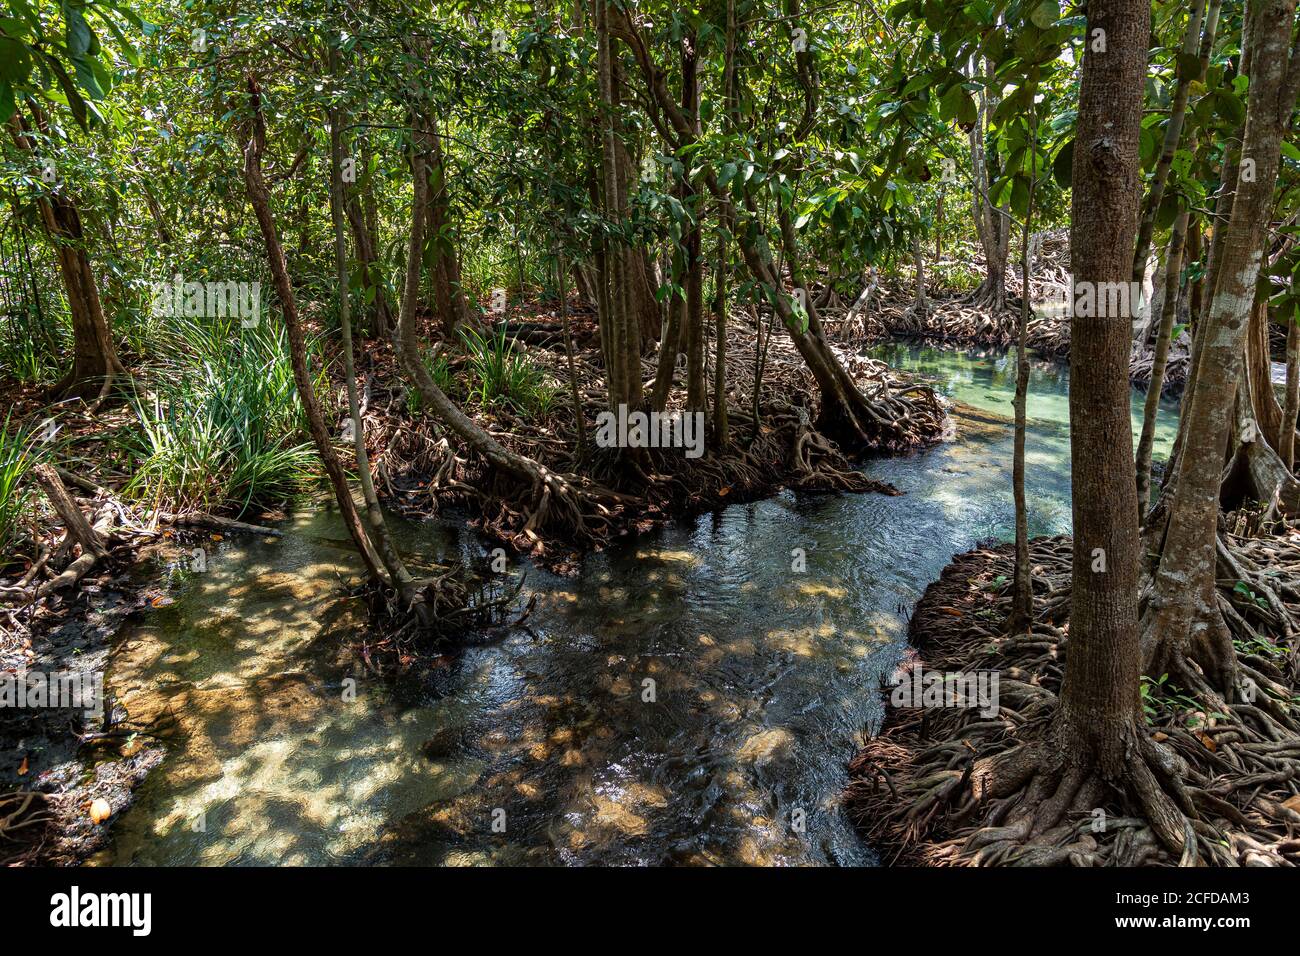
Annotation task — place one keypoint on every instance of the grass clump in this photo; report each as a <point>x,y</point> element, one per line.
<point>221,426</point>
<point>17,455</point>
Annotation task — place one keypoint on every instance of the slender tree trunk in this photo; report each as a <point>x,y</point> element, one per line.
<point>919,303</point>
<point>579,419</point>
<point>260,198</point>
<point>449,298</point>
<point>845,413</point>
<point>1022,596</point>
<point>1259,376</point>
<point>360,202</point>
<point>548,490</point>
<point>398,577</point>
<point>1173,267</point>
<point>721,429</point>
<point>624,376</point>
<point>1187,75</point>
<point>1286,440</point>
<point>990,222</point>
<point>696,397</point>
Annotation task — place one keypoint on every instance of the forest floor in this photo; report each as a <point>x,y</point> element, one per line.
<point>910,790</point>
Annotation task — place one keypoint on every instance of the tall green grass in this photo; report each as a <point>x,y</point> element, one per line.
<point>499,373</point>
<point>221,424</point>
<point>17,455</point>
<point>496,373</point>
<point>439,370</point>
<point>31,345</point>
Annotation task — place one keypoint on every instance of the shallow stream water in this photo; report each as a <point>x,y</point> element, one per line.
<point>687,698</point>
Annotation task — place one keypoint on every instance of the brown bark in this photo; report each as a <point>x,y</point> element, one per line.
<point>1100,709</point>
<point>381,541</point>
<point>1259,376</point>
<point>1286,441</point>
<point>1174,128</point>
<point>367,256</point>
<point>1173,267</point>
<point>94,357</point>
<point>260,198</point>
<point>1022,594</point>
<point>450,304</point>
<point>991,223</point>
<point>693,262</point>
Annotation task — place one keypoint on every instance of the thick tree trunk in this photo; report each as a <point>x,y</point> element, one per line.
<point>1100,712</point>
<point>1183,621</point>
<point>94,357</point>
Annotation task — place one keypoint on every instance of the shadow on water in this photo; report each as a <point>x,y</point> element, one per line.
<point>689,697</point>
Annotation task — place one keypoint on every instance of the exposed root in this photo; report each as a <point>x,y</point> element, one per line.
<point>1195,785</point>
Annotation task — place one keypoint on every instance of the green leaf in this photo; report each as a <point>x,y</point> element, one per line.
<point>1063,165</point>
<point>1045,14</point>
<point>80,38</point>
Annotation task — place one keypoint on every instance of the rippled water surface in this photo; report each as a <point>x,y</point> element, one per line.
<point>545,746</point>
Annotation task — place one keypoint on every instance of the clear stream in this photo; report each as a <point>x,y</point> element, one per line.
<point>541,746</point>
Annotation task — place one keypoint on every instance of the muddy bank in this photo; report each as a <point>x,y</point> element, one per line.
<point>776,439</point>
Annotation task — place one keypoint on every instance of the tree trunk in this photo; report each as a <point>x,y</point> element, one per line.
<point>1169,308</point>
<point>1259,376</point>
<point>1183,621</point>
<point>991,223</point>
<point>1174,128</point>
<point>260,198</point>
<point>398,577</point>
<point>1022,596</point>
<point>94,357</point>
<point>360,202</point>
<point>449,300</point>
<point>1100,712</point>
<point>721,427</point>
<point>1286,441</point>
